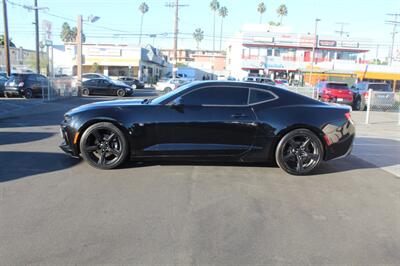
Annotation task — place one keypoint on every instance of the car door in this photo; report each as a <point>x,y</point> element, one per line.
<point>102,87</point>
<point>34,85</point>
<point>209,121</point>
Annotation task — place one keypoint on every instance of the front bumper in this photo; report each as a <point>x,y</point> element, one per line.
<point>67,145</point>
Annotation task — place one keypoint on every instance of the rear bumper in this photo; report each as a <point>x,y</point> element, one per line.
<point>334,99</point>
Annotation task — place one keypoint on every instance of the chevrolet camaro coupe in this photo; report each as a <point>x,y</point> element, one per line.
<point>211,121</point>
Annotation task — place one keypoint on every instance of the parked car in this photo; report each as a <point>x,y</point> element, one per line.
<point>334,92</point>
<point>259,80</point>
<point>27,85</point>
<point>134,83</point>
<point>170,84</point>
<point>104,86</point>
<point>3,80</point>
<point>384,98</point>
<point>214,121</point>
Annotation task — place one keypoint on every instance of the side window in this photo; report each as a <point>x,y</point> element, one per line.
<point>217,96</point>
<point>259,96</point>
<point>31,78</point>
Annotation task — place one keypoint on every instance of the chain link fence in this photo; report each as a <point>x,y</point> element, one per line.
<point>382,107</point>
<point>60,88</point>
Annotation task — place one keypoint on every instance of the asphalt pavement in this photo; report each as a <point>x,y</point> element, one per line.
<point>56,210</point>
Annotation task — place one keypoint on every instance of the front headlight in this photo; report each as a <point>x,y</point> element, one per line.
<point>128,89</point>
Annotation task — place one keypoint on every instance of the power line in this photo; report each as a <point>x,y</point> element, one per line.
<point>394,22</point>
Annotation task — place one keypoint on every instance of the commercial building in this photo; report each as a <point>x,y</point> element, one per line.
<point>20,59</point>
<point>259,47</point>
<point>112,60</point>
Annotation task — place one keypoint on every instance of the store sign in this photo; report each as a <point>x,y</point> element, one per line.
<point>47,28</point>
<point>97,51</point>
<point>263,39</point>
<point>327,43</point>
<point>350,44</point>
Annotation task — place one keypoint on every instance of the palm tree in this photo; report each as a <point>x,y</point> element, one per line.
<point>198,36</point>
<point>282,12</point>
<point>223,12</point>
<point>214,5</point>
<point>144,8</point>
<point>261,9</point>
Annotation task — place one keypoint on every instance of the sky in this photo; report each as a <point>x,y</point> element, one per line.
<point>120,19</point>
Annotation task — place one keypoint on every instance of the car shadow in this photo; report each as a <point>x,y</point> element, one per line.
<point>22,137</point>
<point>364,156</point>
<point>25,164</point>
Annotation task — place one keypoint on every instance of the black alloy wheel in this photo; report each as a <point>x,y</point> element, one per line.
<point>28,94</point>
<point>85,92</point>
<point>299,152</point>
<point>104,146</point>
<point>121,93</point>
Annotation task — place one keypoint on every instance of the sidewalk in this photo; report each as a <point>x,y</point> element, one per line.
<point>379,142</point>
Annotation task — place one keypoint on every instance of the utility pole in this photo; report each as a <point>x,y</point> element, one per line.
<point>395,23</point>
<point>79,54</point>
<point>175,5</point>
<point>341,31</point>
<point>313,49</point>
<point>37,37</point>
<point>36,9</point>
<point>6,39</point>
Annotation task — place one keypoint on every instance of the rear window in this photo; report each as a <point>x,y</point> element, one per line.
<point>380,87</point>
<point>17,78</point>
<point>339,86</point>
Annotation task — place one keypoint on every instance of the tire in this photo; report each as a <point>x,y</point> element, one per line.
<point>299,152</point>
<point>85,92</point>
<point>104,146</point>
<point>167,89</point>
<point>121,93</point>
<point>28,94</point>
<point>357,104</point>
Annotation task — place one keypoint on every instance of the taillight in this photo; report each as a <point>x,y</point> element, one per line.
<point>348,116</point>
<point>21,84</point>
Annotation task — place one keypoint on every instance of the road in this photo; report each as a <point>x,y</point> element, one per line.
<point>57,210</point>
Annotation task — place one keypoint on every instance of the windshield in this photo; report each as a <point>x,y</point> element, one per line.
<point>380,87</point>
<point>170,94</point>
<point>339,86</point>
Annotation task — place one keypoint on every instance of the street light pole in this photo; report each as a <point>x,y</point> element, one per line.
<point>313,49</point>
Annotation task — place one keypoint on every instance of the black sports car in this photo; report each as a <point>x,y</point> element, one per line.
<point>104,86</point>
<point>225,121</point>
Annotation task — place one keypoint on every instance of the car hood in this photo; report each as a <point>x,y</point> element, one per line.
<point>105,104</point>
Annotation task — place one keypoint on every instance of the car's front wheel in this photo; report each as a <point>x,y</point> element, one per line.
<point>167,89</point>
<point>121,93</point>
<point>104,146</point>
<point>299,152</point>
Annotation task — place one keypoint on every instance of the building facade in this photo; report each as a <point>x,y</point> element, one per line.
<point>112,60</point>
<point>258,48</point>
<point>20,59</point>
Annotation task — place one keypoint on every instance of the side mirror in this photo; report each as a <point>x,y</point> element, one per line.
<point>177,103</point>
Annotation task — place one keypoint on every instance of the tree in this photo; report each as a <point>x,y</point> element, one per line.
<point>282,12</point>
<point>261,9</point>
<point>223,12</point>
<point>2,41</point>
<point>273,23</point>
<point>198,36</point>
<point>68,35</point>
<point>143,8</point>
<point>214,5</point>
<point>95,68</point>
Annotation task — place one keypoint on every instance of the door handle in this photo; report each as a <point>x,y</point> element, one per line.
<point>239,116</point>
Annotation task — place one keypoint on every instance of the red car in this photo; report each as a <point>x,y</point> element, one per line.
<point>334,92</point>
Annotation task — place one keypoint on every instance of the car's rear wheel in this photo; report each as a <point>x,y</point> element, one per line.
<point>121,93</point>
<point>299,152</point>
<point>104,146</point>
<point>28,94</point>
<point>85,92</point>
